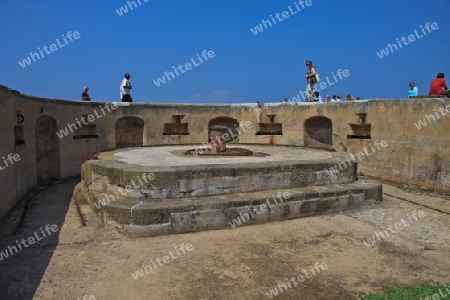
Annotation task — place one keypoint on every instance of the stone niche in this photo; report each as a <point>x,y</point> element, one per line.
<point>129,132</point>
<point>226,127</point>
<point>271,128</point>
<point>19,131</point>
<point>88,131</point>
<point>176,127</point>
<point>360,130</point>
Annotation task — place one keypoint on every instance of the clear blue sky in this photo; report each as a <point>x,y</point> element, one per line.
<point>148,40</point>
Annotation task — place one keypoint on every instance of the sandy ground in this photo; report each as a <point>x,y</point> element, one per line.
<point>241,263</point>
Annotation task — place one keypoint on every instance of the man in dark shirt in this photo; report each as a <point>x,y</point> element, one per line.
<point>125,88</point>
<point>85,95</point>
<point>439,86</point>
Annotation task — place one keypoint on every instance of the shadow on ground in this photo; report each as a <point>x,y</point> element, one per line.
<point>23,263</point>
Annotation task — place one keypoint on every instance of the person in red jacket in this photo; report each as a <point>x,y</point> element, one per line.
<point>439,86</point>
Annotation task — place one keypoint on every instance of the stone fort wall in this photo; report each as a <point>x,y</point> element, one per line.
<point>413,153</point>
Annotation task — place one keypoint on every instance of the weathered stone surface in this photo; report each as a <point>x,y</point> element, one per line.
<point>151,217</point>
<point>137,231</point>
<point>416,152</point>
<point>197,221</point>
<point>342,202</point>
<point>177,177</point>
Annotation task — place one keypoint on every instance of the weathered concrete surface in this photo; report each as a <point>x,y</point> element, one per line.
<point>176,177</point>
<point>241,263</point>
<point>179,215</point>
<point>18,178</point>
<point>168,216</point>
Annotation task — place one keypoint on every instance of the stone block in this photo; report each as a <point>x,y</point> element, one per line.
<point>99,179</point>
<point>324,191</point>
<point>294,209</point>
<point>147,231</point>
<point>247,215</point>
<point>309,193</point>
<point>325,205</point>
<point>123,192</point>
<point>374,193</point>
<point>197,221</point>
<point>280,212</point>
<point>149,214</point>
<point>356,200</point>
<point>308,208</point>
<point>341,203</point>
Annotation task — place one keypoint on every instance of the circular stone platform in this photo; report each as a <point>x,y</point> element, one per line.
<point>175,175</point>
<point>172,156</point>
<point>166,191</point>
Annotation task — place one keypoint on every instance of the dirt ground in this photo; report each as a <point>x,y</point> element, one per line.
<point>241,263</point>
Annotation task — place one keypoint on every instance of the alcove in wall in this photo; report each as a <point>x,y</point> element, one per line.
<point>86,131</point>
<point>360,130</point>
<point>176,127</point>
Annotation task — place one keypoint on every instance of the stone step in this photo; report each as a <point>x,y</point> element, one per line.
<point>167,173</point>
<point>152,217</point>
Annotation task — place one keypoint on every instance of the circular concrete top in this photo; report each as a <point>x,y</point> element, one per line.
<point>168,156</point>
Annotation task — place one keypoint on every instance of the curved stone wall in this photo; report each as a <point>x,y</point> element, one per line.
<point>399,140</point>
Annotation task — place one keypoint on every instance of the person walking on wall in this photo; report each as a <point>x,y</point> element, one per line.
<point>85,96</point>
<point>311,79</point>
<point>125,88</point>
<point>413,91</point>
<point>438,86</point>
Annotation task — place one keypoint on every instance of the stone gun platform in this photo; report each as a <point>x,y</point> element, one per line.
<point>150,191</point>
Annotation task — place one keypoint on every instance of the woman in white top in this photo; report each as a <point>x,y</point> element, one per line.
<point>311,79</point>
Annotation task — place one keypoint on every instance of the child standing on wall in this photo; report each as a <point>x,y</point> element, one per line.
<point>413,91</point>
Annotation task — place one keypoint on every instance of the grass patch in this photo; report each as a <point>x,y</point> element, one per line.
<point>421,292</point>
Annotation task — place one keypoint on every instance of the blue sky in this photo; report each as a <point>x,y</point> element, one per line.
<point>269,66</point>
